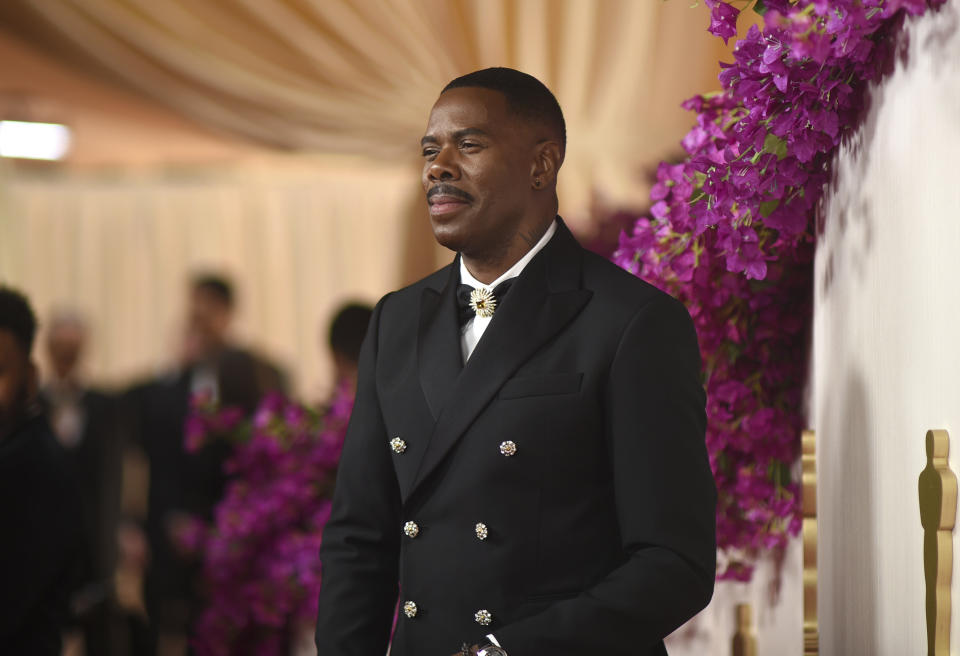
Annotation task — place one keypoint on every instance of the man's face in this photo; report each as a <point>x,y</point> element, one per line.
<point>65,346</point>
<point>478,159</point>
<point>209,320</point>
<point>18,382</point>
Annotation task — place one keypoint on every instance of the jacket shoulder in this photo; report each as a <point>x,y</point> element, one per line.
<point>612,285</point>
<point>401,298</point>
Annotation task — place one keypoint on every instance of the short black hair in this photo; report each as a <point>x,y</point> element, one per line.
<point>526,96</point>
<point>348,328</point>
<point>215,285</point>
<point>17,317</point>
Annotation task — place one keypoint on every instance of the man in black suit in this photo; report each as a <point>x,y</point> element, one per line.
<point>40,511</point>
<point>533,478</point>
<point>183,483</point>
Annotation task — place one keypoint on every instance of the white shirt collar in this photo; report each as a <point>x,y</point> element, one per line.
<point>467,279</point>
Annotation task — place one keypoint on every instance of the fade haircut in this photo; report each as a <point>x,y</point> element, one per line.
<point>527,97</point>
<point>215,285</point>
<point>17,318</point>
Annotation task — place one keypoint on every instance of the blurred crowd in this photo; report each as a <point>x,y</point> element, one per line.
<point>96,484</point>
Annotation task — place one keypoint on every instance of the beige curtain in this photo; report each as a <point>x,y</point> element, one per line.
<point>297,243</point>
<point>351,80</point>
<point>359,76</point>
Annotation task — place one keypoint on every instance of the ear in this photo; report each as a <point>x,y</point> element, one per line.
<point>548,157</point>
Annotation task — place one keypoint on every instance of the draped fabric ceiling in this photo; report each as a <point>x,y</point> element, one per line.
<point>339,93</point>
<point>359,77</point>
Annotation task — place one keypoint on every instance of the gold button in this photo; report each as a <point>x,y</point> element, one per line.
<point>481,531</point>
<point>483,617</point>
<point>410,609</point>
<point>508,448</point>
<point>398,445</point>
<point>411,530</point>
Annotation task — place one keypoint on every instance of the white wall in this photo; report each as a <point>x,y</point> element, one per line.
<point>776,595</point>
<point>887,346</point>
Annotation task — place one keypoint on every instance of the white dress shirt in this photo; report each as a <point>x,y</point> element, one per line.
<point>473,330</point>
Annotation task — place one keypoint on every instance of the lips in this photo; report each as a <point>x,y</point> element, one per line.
<point>443,204</point>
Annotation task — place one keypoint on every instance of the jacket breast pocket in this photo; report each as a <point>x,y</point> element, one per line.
<point>541,385</point>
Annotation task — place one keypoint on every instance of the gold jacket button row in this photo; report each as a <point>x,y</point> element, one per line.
<point>411,529</point>
<point>410,609</point>
<point>398,445</point>
<point>483,617</point>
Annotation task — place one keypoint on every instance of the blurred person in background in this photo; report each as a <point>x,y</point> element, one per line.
<point>219,368</point>
<point>347,330</point>
<point>84,422</point>
<point>344,339</point>
<point>186,484</point>
<point>40,513</point>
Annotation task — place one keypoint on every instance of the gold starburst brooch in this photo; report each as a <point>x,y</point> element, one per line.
<point>483,302</point>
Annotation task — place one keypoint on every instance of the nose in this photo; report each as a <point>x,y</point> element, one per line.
<point>444,166</point>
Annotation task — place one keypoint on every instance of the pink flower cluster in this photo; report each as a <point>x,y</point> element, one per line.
<point>260,556</point>
<point>731,234</point>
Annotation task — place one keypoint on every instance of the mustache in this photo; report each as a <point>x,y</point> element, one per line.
<point>446,189</point>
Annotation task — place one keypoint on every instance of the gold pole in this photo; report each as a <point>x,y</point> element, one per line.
<point>745,638</point>
<point>811,631</point>
<point>937,489</point>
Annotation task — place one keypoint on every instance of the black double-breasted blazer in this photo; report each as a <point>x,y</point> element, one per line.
<point>554,491</point>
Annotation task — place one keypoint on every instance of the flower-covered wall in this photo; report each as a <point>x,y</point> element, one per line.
<point>886,347</point>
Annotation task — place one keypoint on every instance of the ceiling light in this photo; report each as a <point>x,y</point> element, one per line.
<point>28,140</point>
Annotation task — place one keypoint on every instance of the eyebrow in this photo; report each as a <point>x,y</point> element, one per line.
<point>459,134</point>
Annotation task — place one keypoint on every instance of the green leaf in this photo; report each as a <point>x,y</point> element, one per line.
<point>776,145</point>
<point>781,473</point>
<point>766,208</point>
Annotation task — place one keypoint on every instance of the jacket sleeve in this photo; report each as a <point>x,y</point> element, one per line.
<point>665,495</point>
<point>359,553</point>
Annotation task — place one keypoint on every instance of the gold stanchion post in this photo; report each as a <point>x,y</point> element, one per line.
<point>811,631</point>
<point>937,490</point>
<point>745,638</point>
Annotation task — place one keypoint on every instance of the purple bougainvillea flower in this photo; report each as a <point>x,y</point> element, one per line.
<point>723,19</point>
<point>195,433</point>
<point>660,210</point>
<point>260,554</point>
<point>730,234</point>
<point>789,219</point>
<point>915,7</point>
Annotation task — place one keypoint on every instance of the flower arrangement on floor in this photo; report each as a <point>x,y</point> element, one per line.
<point>261,566</point>
<point>731,234</point>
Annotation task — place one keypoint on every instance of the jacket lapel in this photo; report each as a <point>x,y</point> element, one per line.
<point>544,299</point>
<point>439,357</point>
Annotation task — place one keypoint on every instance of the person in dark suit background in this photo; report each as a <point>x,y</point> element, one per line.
<point>40,511</point>
<point>344,339</point>
<point>525,469</point>
<point>184,484</point>
<point>84,421</point>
